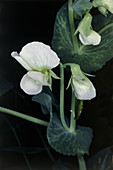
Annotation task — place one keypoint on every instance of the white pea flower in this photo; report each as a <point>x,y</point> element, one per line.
<point>104,5</point>
<point>93,39</point>
<point>38,59</point>
<point>86,34</point>
<point>83,87</point>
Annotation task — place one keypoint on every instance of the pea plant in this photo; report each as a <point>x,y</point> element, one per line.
<point>82,43</point>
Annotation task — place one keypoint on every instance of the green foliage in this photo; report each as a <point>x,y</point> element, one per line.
<point>81,6</point>
<point>90,58</point>
<point>84,26</point>
<point>78,108</point>
<point>102,160</point>
<point>62,40</point>
<point>66,142</point>
<point>45,101</point>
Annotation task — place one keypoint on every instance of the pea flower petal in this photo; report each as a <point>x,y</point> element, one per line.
<point>37,56</point>
<point>31,84</point>
<point>21,60</point>
<point>39,77</point>
<point>94,38</point>
<point>83,87</point>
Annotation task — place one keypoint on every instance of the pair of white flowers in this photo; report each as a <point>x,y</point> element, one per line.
<point>38,59</point>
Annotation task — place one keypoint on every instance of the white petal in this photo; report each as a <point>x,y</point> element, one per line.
<point>39,56</point>
<point>30,86</point>
<point>39,77</point>
<point>21,60</point>
<point>84,89</point>
<point>93,39</point>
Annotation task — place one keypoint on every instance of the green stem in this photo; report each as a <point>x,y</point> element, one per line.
<point>23,116</point>
<point>72,26</point>
<point>62,98</point>
<point>105,28</point>
<point>82,164</point>
<point>72,120</point>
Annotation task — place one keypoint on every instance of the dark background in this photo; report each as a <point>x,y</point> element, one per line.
<point>26,21</point>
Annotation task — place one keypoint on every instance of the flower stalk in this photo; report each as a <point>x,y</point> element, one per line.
<point>62,98</point>
<point>72,120</point>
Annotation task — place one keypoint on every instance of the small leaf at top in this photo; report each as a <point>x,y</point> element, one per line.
<point>81,6</point>
<point>68,143</point>
<point>89,57</point>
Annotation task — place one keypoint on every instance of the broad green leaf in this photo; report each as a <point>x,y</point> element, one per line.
<point>5,86</point>
<point>66,142</point>
<point>45,100</point>
<point>62,40</point>
<point>90,58</point>
<point>81,6</point>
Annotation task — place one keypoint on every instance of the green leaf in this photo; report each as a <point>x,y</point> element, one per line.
<point>45,101</point>
<point>62,40</point>
<point>44,109</point>
<point>103,160</point>
<point>53,98</point>
<point>90,58</point>
<point>5,86</point>
<point>66,142</point>
<point>81,6</point>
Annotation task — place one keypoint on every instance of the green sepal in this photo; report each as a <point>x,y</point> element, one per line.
<point>68,143</point>
<point>78,108</point>
<point>90,75</point>
<point>103,11</point>
<point>69,83</point>
<point>81,6</point>
<point>84,26</point>
<point>53,75</point>
<point>76,72</point>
